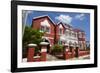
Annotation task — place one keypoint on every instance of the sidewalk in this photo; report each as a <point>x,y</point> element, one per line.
<point>53,58</point>
<point>81,57</point>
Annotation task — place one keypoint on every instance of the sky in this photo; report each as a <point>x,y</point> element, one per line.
<point>76,20</point>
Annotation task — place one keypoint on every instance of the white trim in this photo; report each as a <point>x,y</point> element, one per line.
<point>32,45</point>
<point>43,50</point>
<point>44,43</point>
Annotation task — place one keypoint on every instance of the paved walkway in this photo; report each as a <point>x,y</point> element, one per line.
<point>81,58</point>
<point>52,58</point>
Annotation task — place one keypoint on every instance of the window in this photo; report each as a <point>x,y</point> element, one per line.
<point>42,28</point>
<point>75,34</point>
<point>48,29</point>
<point>69,33</point>
<point>80,45</point>
<point>83,36</point>
<point>60,31</point>
<point>64,32</point>
<point>60,42</point>
<point>80,35</point>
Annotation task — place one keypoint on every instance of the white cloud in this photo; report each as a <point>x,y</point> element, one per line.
<point>64,18</point>
<point>80,16</point>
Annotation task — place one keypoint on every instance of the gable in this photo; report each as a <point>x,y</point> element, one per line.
<point>60,26</point>
<point>47,19</point>
<point>45,23</point>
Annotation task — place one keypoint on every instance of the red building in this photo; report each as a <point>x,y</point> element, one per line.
<point>59,33</point>
<point>60,30</point>
<point>44,23</point>
<point>81,38</point>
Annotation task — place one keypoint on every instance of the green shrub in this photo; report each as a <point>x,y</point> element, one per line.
<point>57,49</point>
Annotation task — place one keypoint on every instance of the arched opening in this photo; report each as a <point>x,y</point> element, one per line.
<point>48,46</point>
<point>76,49</point>
<point>70,46</point>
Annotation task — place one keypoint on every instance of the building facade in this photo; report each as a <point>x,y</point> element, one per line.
<point>59,33</point>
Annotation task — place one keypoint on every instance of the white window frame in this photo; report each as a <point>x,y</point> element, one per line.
<point>80,35</point>
<point>46,29</point>
<point>61,31</point>
<point>42,28</point>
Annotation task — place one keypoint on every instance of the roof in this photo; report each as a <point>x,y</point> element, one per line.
<point>44,16</point>
<point>69,26</point>
<point>64,25</point>
<point>60,23</point>
<point>78,30</point>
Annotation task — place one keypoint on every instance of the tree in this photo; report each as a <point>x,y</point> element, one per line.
<point>31,36</point>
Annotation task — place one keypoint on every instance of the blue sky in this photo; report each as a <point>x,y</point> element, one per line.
<point>77,20</point>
